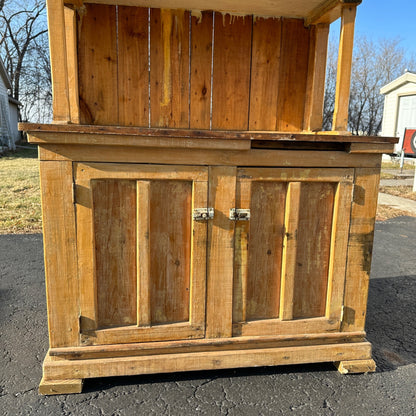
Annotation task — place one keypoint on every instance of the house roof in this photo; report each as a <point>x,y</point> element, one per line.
<point>5,76</point>
<point>407,77</point>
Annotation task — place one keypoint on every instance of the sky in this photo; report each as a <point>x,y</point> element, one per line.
<point>378,19</point>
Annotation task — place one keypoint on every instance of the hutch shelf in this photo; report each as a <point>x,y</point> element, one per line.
<point>195,215</point>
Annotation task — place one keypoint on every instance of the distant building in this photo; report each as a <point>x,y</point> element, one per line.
<point>399,106</point>
<point>9,134</point>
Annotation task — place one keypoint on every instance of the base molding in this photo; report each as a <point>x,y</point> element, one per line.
<point>356,366</point>
<point>63,375</point>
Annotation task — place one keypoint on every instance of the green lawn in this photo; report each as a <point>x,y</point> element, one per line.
<point>19,193</point>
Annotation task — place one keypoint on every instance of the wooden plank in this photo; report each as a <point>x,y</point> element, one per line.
<point>222,189</point>
<point>360,245</point>
<point>265,249</point>
<point>143,253</point>
<point>290,245</point>
<point>231,77</point>
<point>57,47</point>
<point>133,70</point>
<point>371,148</point>
<point>59,241</point>
<point>72,62</point>
<point>265,61</point>
<point>67,386</point>
<point>129,334</point>
<point>97,60</point>
<point>169,68</point>
<point>241,241</point>
<point>338,251</point>
<point>293,75</point>
<point>356,366</point>
<point>35,129</point>
<point>315,87</point>
<point>312,258</point>
<point>170,250</point>
<point>201,65</point>
<point>205,360</point>
<point>342,91</point>
<point>195,345</point>
<point>254,157</point>
<point>114,222</point>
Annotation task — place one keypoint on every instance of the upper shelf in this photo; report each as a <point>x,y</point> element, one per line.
<point>313,11</point>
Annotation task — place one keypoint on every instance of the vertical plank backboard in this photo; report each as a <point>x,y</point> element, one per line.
<point>170,250</point>
<point>265,249</point>
<point>201,57</point>
<point>231,77</point>
<point>97,65</point>
<point>312,259</point>
<point>133,69</point>
<point>265,62</point>
<point>169,68</point>
<point>293,75</point>
<point>114,219</point>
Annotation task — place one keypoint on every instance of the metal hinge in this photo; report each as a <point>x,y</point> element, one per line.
<point>239,214</point>
<point>203,214</point>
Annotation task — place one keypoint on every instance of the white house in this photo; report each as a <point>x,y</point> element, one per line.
<point>9,134</point>
<point>399,106</point>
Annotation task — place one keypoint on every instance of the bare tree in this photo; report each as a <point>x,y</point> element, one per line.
<point>23,48</point>
<point>374,65</point>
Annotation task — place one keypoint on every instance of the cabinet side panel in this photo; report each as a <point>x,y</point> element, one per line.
<point>97,65</point>
<point>293,75</point>
<point>265,63</point>
<point>360,248</point>
<point>313,249</point>
<point>265,249</point>
<point>59,239</point>
<point>231,77</point>
<point>133,70</point>
<point>169,68</point>
<point>114,219</point>
<point>170,250</point>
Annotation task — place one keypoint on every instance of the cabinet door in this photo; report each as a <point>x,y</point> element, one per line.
<point>141,256</point>
<point>290,256</point>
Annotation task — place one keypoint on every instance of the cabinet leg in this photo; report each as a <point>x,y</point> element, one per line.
<point>356,366</point>
<point>60,386</point>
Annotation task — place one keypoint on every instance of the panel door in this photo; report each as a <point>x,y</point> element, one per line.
<point>290,256</point>
<point>142,257</point>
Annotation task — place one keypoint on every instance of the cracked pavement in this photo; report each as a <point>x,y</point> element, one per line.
<point>316,389</point>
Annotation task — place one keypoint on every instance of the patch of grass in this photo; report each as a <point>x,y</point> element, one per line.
<point>396,165</point>
<point>20,210</point>
<point>403,191</point>
<point>384,212</point>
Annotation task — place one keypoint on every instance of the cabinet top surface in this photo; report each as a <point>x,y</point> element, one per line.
<point>294,8</point>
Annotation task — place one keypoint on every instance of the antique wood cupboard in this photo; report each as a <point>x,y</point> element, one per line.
<point>195,215</point>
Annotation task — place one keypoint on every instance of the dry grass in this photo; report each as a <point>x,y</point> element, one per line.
<point>403,191</point>
<point>384,212</point>
<point>20,210</point>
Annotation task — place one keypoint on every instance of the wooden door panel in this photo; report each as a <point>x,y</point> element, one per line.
<point>287,268</point>
<point>146,278</point>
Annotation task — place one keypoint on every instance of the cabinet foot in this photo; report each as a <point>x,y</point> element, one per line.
<point>68,386</point>
<point>356,366</point>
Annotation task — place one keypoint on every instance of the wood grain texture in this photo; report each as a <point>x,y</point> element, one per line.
<point>66,386</point>
<point>222,189</point>
<point>265,61</point>
<point>265,249</point>
<point>114,221</point>
<point>201,59</point>
<point>342,90</point>
<point>360,245</point>
<point>315,87</point>
<point>133,70</point>
<point>312,259</point>
<point>97,60</point>
<point>231,77</point>
<point>169,68</point>
<point>58,216</point>
<point>170,250</point>
<point>293,75</point>
<point>58,53</point>
<point>356,366</point>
